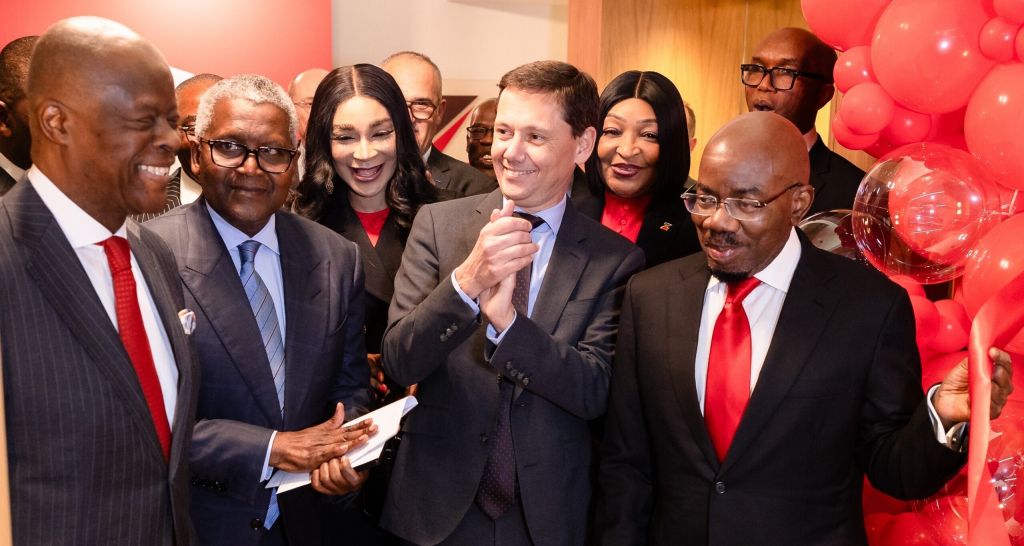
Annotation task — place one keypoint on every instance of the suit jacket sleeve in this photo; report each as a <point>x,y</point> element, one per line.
<point>626,467</point>
<point>351,386</point>
<point>229,451</point>
<point>897,445</point>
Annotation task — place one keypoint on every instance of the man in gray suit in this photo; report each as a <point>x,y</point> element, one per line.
<point>507,325</point>
<point>99,376</point>
<point>420,81</point>
<point>279,311</point>
<point>15,139</point>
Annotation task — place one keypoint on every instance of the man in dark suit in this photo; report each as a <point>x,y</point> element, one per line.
<point>758,382</point>
<point>420,81</point>
<point>480,136</point>
<point>15,138</point>
<point>509,369</point>
<point>790,73</point>
<point>278,303</point>
<point>99,376</point>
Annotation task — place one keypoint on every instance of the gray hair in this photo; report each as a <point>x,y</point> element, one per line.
<point>252,87</point>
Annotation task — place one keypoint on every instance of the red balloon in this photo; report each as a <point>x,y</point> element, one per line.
<point>996,40</point>
<point>925,53</point>
<point>848,138</point>
<point>1011,10</point>
<point>875,525</point>
<point>843,24</point>
<point>935,368</point>
<point>996,259</point>
<point>1018,45</point>
<point>926,317</point>
<point>880,148</point>
<point>906,529</point>
<point>907,126</point>
<point>853,68</point>
<point>912,287</point>
<point>993,124</point>
<point>866,109</point>
<point>954,327</point>
<point>950,123</point>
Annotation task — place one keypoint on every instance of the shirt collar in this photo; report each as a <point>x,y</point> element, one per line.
<point>15,171</point>
<point>233,237</point>
<point>79,227</point>
<point>779,273</point>
<point>811,138</point>
<point>426,154</point>
<point>552,216</point>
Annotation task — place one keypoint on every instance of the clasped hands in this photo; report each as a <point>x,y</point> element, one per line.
<point>321,451</point>
<point>952,400</point>
<point>488,274</point>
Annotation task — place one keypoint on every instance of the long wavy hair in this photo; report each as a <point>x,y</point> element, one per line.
<point>673,166</point>
<point>406,191</point>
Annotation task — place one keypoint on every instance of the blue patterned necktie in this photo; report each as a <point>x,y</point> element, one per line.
<point>497,492</point>
<point>266,320</point>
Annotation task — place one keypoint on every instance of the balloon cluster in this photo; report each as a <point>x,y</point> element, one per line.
<point>935,90</point>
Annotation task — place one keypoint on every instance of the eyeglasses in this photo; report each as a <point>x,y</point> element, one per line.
<point>188,130</point>
<point>232,155</point>
<point>782,79</point>
<point>740,209</point>
<point>421,109</point>
<point>479,132</point>
<point>304,104</point>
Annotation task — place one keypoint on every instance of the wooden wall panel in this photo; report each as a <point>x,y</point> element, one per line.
<point>698,44</point>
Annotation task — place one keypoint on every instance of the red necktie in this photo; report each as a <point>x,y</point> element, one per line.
<point>133,335</point>
<point>728,383</point>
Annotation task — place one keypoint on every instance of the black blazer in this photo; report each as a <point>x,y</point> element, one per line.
<point>835,179</point>
<point>380,263</point>
<point>559,358</point>
<point>85,463</point>
<point>238,405</point>
<point>667,231</point>
<point>455,178</point>
<point>839,397</point>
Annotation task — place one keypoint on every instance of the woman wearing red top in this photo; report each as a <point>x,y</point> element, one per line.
<point>639,167</point>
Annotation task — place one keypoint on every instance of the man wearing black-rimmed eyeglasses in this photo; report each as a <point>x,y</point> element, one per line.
<point>420,81</point>
<point>790,73</point>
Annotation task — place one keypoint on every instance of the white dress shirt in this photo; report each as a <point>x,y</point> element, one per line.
<point>85,234</point>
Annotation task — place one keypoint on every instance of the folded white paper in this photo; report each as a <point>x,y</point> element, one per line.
<point>388,419</point>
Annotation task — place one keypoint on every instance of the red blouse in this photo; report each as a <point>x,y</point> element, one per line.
<point>624,215</point>
<point>373,223</point>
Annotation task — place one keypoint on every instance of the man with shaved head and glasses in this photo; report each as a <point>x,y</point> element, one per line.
<point>756,383</point>
<point>790,73</point>
<point>279,326</point>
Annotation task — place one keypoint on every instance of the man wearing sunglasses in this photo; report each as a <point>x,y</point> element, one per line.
<point>790,73</point>
<point>279,326</point>
<point>420,81</point>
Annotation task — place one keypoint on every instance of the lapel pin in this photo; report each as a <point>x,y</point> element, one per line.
<point>188,321</point>
<point>665,227</point>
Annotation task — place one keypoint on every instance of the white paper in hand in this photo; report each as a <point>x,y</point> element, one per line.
<point>388,419</point>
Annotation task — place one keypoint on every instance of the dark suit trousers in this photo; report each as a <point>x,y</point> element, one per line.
<point>478,529</point>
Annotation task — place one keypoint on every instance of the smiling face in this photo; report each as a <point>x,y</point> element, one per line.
<point>246,196</point>
<point>628,148</point>
<point>419,83</point>
<point>534,151</point>
<point>364,149</point>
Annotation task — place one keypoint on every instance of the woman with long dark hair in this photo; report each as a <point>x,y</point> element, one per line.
<point>639,167</point>
<point>364,177</point>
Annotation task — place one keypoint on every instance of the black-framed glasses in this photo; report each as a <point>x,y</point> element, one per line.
<point>232,155</point>
<point>188,130</point>
<point>479,132</point>
<point>421,109</point>
<point>782,79</point>
<point>739,208</point>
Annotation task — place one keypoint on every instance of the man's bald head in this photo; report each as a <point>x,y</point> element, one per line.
<point>760,157</point>
<point>103,117</point>
<point>800,50</point>
<point>188,93</point>
<point>301,91</point>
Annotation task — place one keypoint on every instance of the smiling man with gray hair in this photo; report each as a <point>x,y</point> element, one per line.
<point>279,326</point>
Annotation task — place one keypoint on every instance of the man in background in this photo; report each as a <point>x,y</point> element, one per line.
<point>279,318</point>
<point>100,380</point>
<point>301,91</point>
<point>15,138</point>
<point>480,136</point>
<point>790,73</point>
<point>420,81</point>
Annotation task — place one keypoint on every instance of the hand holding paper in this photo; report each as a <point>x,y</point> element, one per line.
<point>304,450</point>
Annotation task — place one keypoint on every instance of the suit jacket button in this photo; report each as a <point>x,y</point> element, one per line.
<point>720,487</point>
<point>483,438</point>
<point>256,524</point>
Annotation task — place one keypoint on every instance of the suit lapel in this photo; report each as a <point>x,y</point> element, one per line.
<point>66,286</point>
<point>568,258</point>
<point>306,281</point>
<point>804,316</point>
<point>379,263</point>
<point>684,312</point>
<point>210,276</point>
